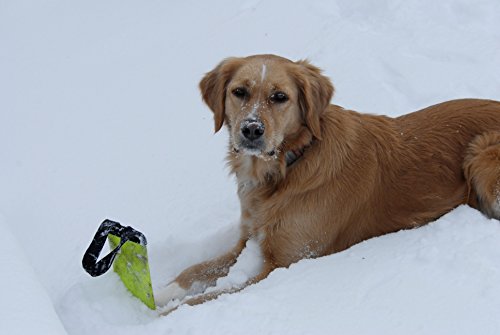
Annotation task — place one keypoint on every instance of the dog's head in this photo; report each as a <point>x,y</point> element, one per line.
<point>264,100</point>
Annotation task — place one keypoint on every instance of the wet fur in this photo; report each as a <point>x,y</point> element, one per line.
<point>360,176</point>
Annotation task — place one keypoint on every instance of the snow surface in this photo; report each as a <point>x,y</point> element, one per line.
<point>100,117</point>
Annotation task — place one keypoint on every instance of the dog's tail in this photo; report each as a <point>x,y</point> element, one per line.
<point>482,172</point>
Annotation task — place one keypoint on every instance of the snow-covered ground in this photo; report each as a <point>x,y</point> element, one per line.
<point>100,117</point>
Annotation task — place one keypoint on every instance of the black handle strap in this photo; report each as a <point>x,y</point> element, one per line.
<point>89,261</point>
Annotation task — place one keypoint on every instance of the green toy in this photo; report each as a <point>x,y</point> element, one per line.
<point>131,264</point>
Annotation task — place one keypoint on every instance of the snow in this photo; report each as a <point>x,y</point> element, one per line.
<point>100,117</point>
<point>263,73</point>
<point>24,297</point>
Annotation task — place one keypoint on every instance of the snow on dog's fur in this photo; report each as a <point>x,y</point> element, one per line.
<point>315,178</point>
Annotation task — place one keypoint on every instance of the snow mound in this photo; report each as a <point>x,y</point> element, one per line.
<point>25,305</point>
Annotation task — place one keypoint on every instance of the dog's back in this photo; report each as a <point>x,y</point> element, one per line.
<point>403,172</point>
<point>439,137</point>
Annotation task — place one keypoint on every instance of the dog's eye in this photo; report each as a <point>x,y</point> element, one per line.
<point>278,97</point>
<point>240,92</point>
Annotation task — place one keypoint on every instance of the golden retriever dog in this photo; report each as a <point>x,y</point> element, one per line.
<point>315,178</point>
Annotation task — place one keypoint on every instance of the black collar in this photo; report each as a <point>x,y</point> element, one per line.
<point>292,156</point>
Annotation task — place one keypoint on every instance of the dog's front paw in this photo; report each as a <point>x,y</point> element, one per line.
<point>172,291</point>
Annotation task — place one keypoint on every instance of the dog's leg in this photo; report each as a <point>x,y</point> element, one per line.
<point>268,268</point>
<point>482,172</point>
<point>197,278</point>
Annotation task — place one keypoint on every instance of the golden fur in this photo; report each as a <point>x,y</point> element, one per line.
<point>360,175</point>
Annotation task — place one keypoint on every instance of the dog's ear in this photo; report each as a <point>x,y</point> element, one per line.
<point>315,93</point>
<point>213,88</point>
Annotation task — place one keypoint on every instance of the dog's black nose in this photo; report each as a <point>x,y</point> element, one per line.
<point>252,130</point>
